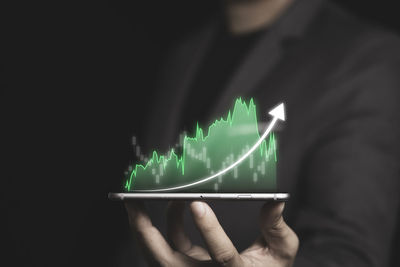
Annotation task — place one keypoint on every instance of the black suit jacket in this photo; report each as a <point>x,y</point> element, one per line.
<point>339,148</point>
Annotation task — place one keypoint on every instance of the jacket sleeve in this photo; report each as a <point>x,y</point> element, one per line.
<point>347,215</point>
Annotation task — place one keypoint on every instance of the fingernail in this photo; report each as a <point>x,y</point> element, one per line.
<point>198,208</point>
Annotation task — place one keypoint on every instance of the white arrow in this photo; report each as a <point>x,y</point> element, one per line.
<point>278,113</point>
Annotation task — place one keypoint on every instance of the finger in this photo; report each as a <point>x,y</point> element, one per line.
<point>150,239</point>
<point>218,243</point>
<point>177,235</point>
<point>279,237</point>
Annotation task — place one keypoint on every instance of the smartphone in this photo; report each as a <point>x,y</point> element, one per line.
<point>197,196</point>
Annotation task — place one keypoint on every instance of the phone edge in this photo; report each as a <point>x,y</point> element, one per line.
<point>198,196</point>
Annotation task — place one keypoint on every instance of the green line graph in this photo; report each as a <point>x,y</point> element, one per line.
<point>206,153</point>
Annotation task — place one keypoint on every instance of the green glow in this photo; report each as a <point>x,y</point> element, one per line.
<point>204,154</point>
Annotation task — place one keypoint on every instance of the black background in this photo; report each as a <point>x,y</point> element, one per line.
<point>75,78</point>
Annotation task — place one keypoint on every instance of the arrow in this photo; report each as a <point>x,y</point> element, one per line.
<point>278,113</point>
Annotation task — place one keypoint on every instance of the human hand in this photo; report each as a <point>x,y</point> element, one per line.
<point>276,247</point>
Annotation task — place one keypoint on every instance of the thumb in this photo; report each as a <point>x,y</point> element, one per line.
<point>280,238</point>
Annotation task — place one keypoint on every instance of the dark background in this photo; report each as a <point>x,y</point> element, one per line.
<point>75,78</point>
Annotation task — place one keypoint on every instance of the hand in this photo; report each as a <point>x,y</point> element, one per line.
<point>277,245</point>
